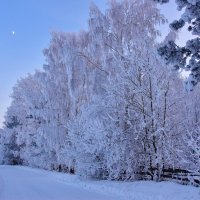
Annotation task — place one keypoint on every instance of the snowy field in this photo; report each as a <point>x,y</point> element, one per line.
<point>23,183</point>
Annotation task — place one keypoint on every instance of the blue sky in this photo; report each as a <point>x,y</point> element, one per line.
<point>32,21</point>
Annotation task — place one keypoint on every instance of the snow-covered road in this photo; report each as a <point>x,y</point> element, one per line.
<point>24,183</point>
<point>21,183</point>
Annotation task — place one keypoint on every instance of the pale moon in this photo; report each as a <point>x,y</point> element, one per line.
<point>13,32</point>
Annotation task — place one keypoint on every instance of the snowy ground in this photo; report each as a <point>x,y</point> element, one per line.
<point>23,183</point>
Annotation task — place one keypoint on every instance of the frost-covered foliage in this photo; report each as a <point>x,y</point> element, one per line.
<point>105,105</point>
<point>187,57</point>
<point>192,128</point>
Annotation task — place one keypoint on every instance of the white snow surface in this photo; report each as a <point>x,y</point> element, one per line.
<point>24,183</point>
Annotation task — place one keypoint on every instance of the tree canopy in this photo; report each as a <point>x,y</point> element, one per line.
<point>188,56</point>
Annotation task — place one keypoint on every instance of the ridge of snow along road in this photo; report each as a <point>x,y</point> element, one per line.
<point>20,183</point>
